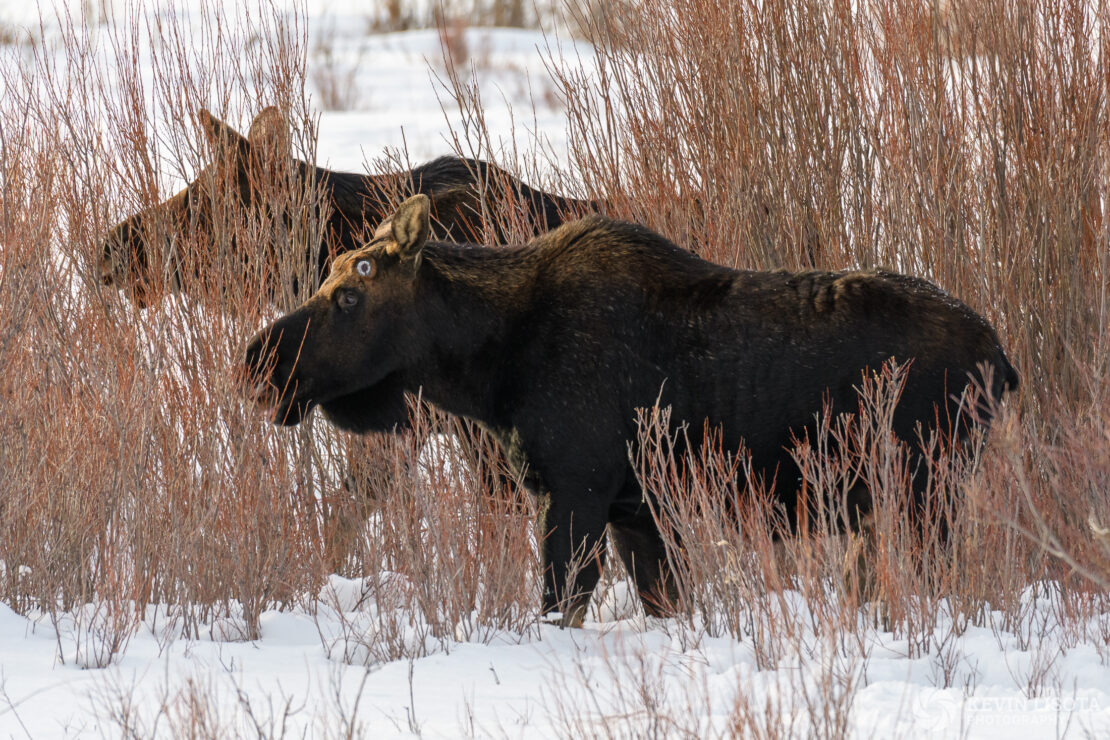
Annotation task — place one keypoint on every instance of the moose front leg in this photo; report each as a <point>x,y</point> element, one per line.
<point>572,554</point>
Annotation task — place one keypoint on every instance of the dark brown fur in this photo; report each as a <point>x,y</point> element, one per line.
<point>554,345</point>
<point>137,257</point>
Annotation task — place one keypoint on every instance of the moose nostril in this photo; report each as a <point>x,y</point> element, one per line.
<point>252,363</point>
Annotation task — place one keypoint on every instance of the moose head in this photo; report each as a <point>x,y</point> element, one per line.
<point>147,255</point>
<point>362,330</point>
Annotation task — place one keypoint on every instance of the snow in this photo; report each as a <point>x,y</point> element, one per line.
<point>403,90</point>
<point>552,683</point>
<point>619,675</point>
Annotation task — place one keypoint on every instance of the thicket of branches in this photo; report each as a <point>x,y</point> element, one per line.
<point>966,143</point>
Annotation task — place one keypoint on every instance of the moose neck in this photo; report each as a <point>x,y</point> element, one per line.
<point>471,298</point>
<point>359,197</point>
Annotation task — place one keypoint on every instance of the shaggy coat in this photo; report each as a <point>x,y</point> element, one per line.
<point>139,253</point>
<point>554,345</point>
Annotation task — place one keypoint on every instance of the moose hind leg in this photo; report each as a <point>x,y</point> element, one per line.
<point>858,570</point>
<point>644,554</point>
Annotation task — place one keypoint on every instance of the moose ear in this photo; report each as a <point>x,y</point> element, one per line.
<point>269,132</point>
<point>411,225</point>
<point>224,140</point>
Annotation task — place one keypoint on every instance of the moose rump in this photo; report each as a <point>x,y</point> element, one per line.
<point>555,344</point>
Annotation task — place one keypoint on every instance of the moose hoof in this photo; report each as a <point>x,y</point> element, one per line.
<point>573,618</point>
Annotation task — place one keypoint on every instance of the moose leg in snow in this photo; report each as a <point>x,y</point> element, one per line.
<point>640,546</point>
<point>572,554</point>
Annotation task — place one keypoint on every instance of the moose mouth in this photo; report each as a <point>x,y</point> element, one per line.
<point>285,397</point>
<point>282,401</point>
<point>285,408</point>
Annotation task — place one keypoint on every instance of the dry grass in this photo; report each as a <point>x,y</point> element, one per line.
<point>968,146</point>
<point>760,135</point>
<point>446,556</point>
<point>818,135</point>
<point>135,473</point>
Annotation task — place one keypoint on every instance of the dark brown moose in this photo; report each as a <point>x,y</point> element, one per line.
<point>554,345</point>
<point>142,253</point>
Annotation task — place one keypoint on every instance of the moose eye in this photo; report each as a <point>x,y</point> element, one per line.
<point>348,299</point>
<point>365,268</point>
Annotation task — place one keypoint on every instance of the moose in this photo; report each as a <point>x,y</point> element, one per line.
<point>469,197</point>
<point>553,345</point>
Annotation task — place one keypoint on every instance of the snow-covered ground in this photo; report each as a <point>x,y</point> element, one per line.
<point>615,677</point>
<point>620,676</point>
